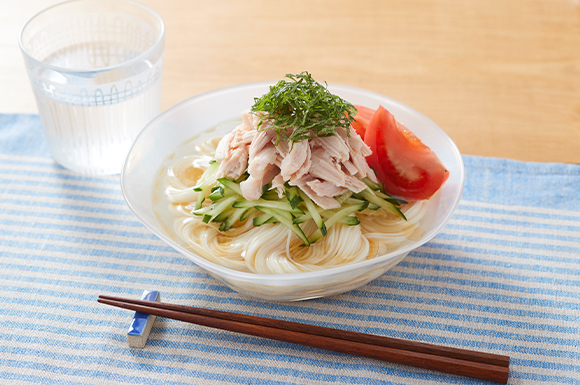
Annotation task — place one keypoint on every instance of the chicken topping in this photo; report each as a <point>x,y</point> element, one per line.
<point>323,167</point>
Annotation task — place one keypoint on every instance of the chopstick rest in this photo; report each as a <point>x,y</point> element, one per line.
<point>142,323</point>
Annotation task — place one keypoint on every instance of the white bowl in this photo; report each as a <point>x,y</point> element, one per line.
<point>162,136</point>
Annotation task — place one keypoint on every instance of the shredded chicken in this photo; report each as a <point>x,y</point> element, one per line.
<point>322,167</point>
<point>295,160</point>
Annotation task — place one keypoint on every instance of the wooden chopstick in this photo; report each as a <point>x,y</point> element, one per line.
<point>483,366</point>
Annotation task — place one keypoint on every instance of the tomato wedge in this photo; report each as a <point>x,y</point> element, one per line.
<point>362,119</point>
<point>407,167</point>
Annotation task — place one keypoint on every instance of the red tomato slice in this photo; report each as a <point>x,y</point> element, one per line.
<point>362,119</point>
<point>407,167</point>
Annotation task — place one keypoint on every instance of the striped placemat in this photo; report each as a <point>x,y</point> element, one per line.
<point>503,277</point>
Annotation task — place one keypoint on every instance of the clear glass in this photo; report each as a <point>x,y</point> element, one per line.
<point>95,68</point>
<point>159,140</point>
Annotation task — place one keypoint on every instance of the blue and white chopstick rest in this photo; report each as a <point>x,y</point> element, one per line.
<point>142,323</point>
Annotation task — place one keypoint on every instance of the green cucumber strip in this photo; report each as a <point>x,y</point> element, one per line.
<point>203,210</point>
<point>230,184</point>
<point>242,178</point>
<point>343,197</point>
<point>372,185</point>
<point>267,218</point>
<point>315,237</point>
<point>216,208</point>
<point>302,218</point>
<point>353,201</point>
<point>283,219</point>
<point>276,205</point>
<point>394,201</point>
<point>293,196</point>
<point>270,195</point>
<point>343,212</point>
<point>381,194</point>
<point>284,213</point>
<point>322,212</point>
<point>199,200</point>
<point>218,193</point>
<point>261,219</point>
<point>350,221</point>
<point>266,188</point>
<point>221,217</point>
<point>340,214</point>
<point>232,219</point>
<point>205,182</point>
<point>311,207</point>
<point>208,177</point>
<point>390,199</point>
<point>228,192</point>
<point>247,213</point>
<point>327,214</point>
<point>369,195</point>
<point>381,185</point>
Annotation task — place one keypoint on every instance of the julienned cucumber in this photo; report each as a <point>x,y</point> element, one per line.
<point>369,195</point>
<point>313,210</point>
<point>216,208</point>
<point>207,179</point>
<point>276,205</point>
<point>388,198</point>
<point>293,195</point>
<point>282,218</point>
<point>347,220</point>
<point>232,218</point>
<point>231,185</point>
<point>204,184</point>
<point>372,185</point>
<point>343,212</point>
<point>261,219</point>
<point>229,206</point>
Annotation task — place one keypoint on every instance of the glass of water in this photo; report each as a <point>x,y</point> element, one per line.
<point>95,67</point>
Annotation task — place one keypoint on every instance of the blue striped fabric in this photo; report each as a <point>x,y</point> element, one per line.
<point>502,277</point>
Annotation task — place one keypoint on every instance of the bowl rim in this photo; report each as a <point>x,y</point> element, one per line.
<point>294,278</point>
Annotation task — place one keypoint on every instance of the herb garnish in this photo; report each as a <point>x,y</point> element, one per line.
<point>303,108</point>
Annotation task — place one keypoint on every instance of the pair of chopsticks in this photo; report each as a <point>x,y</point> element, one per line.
<point>483,366</point>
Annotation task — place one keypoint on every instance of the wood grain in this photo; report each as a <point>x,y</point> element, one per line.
<point>501,78</point>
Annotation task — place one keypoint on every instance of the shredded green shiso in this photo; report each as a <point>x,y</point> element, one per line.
<point>301,108</point>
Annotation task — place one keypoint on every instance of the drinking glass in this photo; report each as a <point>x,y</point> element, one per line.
<point>95,68</point>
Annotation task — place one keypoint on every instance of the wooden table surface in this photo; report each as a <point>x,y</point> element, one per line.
<point>502,78</point>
